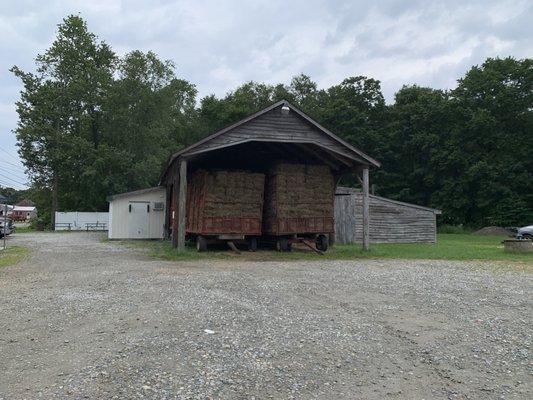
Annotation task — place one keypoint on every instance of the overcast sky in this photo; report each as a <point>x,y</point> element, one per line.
<point>219,45</point>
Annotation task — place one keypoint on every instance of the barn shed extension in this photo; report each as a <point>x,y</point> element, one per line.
<point>278,134</point>
<point>391,221</point>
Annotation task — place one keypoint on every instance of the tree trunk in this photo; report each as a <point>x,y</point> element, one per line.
<point>55,185</point>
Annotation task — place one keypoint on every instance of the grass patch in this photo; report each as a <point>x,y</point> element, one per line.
<point>449,247</point>
<point>25,229</point>
<point>12,255</point>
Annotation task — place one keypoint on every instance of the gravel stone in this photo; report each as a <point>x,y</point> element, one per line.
<point>82,318</point>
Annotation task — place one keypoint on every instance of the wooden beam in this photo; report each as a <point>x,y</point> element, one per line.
<point>434,229</point>
<point>182,209</point>
<point>366,210</point>
<point>174,212</point>
<point>317,155</point>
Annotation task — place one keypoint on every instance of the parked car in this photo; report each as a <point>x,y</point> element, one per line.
<point>525,233</point>
<point>9,228</point>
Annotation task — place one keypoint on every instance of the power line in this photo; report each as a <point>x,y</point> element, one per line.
<point>9,154</point>
<point>10,185</point>
<point>14,175</point>
<point>10,163</point>
<point>12,169</point>
<point>14,180</point>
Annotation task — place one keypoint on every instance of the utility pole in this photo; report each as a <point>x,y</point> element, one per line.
<point>5,223</point>
<point>3,199</point>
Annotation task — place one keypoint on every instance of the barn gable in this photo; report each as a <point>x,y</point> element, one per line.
<point>274,125</point>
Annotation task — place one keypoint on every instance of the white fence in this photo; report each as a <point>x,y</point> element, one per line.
<point>81,221</point>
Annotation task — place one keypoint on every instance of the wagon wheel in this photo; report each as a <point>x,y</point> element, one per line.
<point>282,244</point>
<point>252,244</point>
<point>322,242</point>
<point>201,244</point>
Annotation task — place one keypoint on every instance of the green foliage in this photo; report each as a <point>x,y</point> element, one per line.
<point>13,195</point>
<point>492,130</point>
<point>92,124</point>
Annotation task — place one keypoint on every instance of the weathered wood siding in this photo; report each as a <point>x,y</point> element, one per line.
<point>345,219</point>
<point>390,221</point>
<point>274,126</point>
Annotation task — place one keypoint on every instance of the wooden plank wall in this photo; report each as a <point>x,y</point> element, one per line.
<point>275,126</point>
<point>345,219</point>
<point>390,222</point>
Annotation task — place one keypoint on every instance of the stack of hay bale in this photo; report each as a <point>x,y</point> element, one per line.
<point>225,202</point>
<point>299,199</point>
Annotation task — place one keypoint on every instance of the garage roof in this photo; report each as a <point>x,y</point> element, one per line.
<point>135,192</point>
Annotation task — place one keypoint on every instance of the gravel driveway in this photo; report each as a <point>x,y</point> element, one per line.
<point>83,318</point>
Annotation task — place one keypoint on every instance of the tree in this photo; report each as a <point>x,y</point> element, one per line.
<point>148,114</point>
<point>59,128</point>
<point>354,110</point>
<point>493,125</point>
<point>412,144</point>
<point>13,195</point>
<point>91,124</point>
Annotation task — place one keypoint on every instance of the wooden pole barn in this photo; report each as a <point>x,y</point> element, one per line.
<point>280,132</point>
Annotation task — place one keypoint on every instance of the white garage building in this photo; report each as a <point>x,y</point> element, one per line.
<point>137,215</point>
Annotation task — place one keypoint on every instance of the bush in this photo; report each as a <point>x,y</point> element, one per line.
<point>40,223</point>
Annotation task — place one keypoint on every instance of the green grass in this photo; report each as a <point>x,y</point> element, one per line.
<point>25,229</point>
<point>12,255</point>
<point>449,247</point>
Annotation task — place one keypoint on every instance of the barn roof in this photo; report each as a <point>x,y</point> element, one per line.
<point>268,125</point>
<point>24,208</point>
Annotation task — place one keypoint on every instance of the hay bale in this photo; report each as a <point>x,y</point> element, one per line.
<point>225,194</point>
<point>298,191</point>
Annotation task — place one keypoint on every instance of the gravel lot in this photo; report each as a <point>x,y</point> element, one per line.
<point>86,319</point>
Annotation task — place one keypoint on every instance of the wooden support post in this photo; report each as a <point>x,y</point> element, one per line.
<point>174,212</point>
<point>168,217</point>
<point>434,229</point>
<point>182,209</point>
<point>366,210</point>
